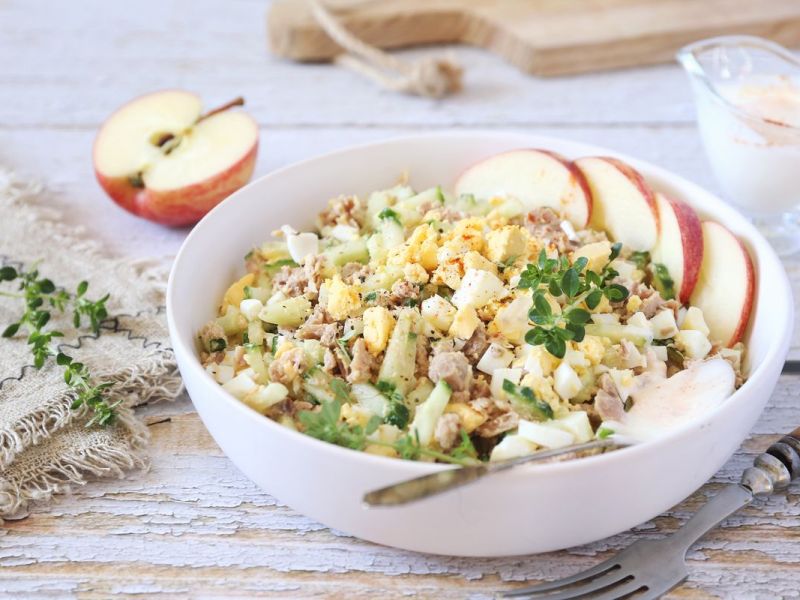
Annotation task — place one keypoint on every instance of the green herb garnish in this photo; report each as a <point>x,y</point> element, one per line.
<point>326,425</point>
<point>41,296</point>
<point>217,345</point>
<point>388,213</point>
<point>398,414</point>
<point>577,285</point>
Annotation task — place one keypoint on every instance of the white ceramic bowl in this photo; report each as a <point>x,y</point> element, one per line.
<point>525,510</point>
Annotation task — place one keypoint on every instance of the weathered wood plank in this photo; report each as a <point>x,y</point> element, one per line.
<point>194,525</point>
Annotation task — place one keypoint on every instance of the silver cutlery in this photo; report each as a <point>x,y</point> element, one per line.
<point>418,488</point>
<point>651,568</point>
<point>425,486</point>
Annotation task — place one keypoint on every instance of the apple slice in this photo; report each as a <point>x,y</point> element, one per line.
<point>726,285</point>
<point>624,205</point>
<point>160,158</point>
<point>537,178</point>
<point>680,244</point>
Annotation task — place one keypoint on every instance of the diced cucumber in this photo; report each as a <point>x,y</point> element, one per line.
<point>347,252</point>
<point>376,202</point>
<point>382,279</point>
<point>261,294</point>
<point>399,362</point>
<point>429,411</point>
<point>290,312</point>
<point>420,393</point>
<point>617,332</point>
<point>376,248</point>
<point>371,399</point>
<point>254,357</point>
<point>233,322</point>
<point>392,233</point>
<point>255,332</point>
<point>318,383</point>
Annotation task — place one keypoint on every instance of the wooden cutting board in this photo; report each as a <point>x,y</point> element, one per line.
<point>544,37</point>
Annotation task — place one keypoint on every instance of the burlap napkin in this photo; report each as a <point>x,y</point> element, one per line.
<point>45,447</point>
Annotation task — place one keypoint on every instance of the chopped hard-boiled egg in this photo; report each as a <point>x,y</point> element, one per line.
<point>478,288</point>
<point>511,320</point>
<point>438,312</point>
<point>663,325</point>
<point>693,343</point>
<point>596,254</point>
<point>544,436</point>
<point>694,319</point>
<point>505,243</point>
<point>343,299</point>
<point>378,325</point>
<point>495,357</point>
<point>465,322</point>
<point>301,245</point>
<point>566,382</point>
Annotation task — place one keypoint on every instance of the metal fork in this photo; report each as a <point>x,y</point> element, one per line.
<point>651,568</point>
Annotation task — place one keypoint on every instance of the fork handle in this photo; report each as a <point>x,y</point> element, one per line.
<point>773,470</point>
<point>776,468</point>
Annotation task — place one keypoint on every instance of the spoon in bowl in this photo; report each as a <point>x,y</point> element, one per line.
<point>425,486</point>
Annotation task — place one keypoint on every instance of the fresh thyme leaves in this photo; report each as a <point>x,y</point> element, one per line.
<point>388,213</point>
<point>465,448</point>
<point>576,285</point>
<point>325,424</point>
<point>340,389</point>
<point>371,297</point>
<point>526,401</point>
<point>41,296</point>
<point>398,414</point>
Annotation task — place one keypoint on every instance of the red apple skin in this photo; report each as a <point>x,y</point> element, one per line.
<point>744,319</point>
<point>692,244</point>
<point>639,182</point>
<point>184,206</point>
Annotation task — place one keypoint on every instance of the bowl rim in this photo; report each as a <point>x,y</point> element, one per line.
<point>757,245</point>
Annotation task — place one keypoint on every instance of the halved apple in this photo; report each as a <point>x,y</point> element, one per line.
<point>726,284</point>
<point>624,205</point>
<point>537,178</point>
<point>160,158</point>
<point>680,244</point>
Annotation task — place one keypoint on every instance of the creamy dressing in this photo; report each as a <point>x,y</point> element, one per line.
<point>661,404</point>
<point>755,149</point>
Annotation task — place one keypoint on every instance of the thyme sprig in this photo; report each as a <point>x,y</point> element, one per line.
<point>41,297</point>
<point>578,286</point>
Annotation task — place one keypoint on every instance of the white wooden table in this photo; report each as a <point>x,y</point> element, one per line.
<point>193,525</point>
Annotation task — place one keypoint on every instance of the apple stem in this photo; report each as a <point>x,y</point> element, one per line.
<point>235,102</point>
